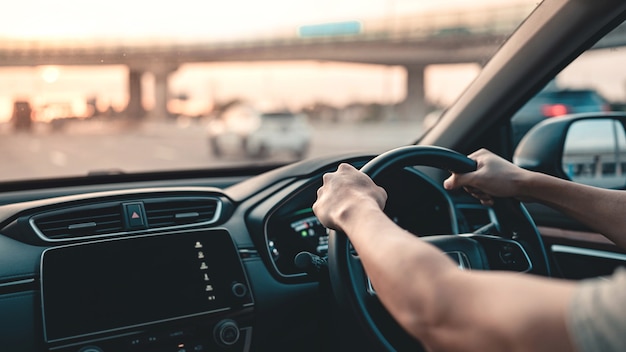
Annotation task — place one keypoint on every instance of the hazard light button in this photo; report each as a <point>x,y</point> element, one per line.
<point>135,216</point>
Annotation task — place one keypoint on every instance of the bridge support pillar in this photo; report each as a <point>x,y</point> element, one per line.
<point>134,110</point>
<point>161,91</point>
<point>414,105</point>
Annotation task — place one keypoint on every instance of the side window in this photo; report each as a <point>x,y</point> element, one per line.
<point>594,82</point>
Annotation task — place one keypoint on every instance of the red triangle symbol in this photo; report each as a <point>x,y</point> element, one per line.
<point>135,215</point>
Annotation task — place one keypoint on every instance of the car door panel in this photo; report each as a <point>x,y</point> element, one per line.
<point>576,252</point>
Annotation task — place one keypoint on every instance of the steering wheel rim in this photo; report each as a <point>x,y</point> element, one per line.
<point>347,274</point>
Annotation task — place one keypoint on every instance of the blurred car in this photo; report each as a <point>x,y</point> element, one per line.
<point>280,132</point>
<point>554,103</point>
<point>22,117</point>
<point>243,129</point>
<point>229,130</point>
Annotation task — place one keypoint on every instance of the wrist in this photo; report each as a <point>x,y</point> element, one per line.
<point>358,215</point>
<point>527,186</point>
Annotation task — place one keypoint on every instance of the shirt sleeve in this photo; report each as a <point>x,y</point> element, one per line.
<point>597,314</point>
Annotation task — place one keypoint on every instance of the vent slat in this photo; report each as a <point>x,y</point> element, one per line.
<point>177,211</point>
<point>81,222</point>
<point>182,209</point>
<point>79,219</point>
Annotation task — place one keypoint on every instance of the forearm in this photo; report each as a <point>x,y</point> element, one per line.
<point>404,270</point>
<point>600,209</point>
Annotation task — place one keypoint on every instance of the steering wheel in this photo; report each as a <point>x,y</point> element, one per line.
<point>510,243</point>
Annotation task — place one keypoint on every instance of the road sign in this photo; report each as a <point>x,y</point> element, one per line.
<point>330,29</point>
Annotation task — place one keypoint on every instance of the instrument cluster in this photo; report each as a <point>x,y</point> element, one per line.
<point>414,202</point>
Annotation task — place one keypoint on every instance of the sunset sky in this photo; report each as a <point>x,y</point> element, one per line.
<point>197,18</point>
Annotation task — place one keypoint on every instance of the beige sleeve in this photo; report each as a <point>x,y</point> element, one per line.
<point>597,314</point>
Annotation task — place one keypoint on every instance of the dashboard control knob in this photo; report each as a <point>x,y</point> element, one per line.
<point>239,290</point>
<point>226,332</point>
<point>311,263</point>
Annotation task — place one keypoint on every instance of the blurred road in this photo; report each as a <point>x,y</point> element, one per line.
<point>89,147</point>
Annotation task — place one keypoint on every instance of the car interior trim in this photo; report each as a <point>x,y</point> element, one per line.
<point>17,286</point>
<point>17,282</point>
<point>558,248</point>
<point>576,235</point>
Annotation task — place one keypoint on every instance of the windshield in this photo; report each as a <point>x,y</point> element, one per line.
<point>143,86</point>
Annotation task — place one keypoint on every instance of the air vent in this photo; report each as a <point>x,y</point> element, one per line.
<point>85,221</point>
<point>165,212</point>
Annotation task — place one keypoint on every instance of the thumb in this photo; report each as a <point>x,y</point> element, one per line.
<point>451,182</point>
<point>457,180</point>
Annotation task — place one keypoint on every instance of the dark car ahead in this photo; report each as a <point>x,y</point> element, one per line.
<point>554,103</point>
<point>22,116</point>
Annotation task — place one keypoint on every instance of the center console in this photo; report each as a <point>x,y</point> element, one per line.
<point>183,291</point>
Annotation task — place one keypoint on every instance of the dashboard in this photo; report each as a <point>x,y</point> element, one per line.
<point>151,267</point>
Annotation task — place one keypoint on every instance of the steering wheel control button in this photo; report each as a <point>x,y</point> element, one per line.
<point>239,290</point>
<point>507,255</point>
<point>226,332</point>
<point>135,216</point>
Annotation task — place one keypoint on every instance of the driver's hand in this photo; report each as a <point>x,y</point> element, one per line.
<point>494,177</point>
<point>342,192</point>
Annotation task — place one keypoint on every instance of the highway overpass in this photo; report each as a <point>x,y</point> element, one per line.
<point>413,42</point>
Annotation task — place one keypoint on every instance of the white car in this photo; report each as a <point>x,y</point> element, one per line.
<point>257,134</point>
<point>280,132</point>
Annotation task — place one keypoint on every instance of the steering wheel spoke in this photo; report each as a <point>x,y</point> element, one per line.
<point>464,250</point>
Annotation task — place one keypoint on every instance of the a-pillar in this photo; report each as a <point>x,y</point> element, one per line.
<point>134,110</point>
<point>161,91</point>
<point>414,105</point>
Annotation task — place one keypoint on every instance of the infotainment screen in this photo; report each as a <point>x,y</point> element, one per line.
<point>115,284</point>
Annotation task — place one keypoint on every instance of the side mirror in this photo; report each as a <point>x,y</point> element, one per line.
<point>585,148</point>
